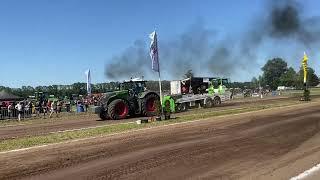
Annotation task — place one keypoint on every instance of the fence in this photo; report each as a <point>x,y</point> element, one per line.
<point>13,114</point>
<point>28,113</point>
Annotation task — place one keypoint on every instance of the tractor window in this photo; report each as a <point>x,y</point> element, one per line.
<point>126,86</point>
<point>133,85</point>
<point>139,87</point>
<point>215,83</point>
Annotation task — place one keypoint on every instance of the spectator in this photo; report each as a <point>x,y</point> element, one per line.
<point>19,107</point>
<point>10,109</point>
<point>49,105</point>
<point>59,106</point>
<point>67,105</point>
<point>4,105</point>
<point>38,108</point>
<point>53,109</point>
<point>44,109</point>
<point>28,108</point>
<point>86,104</point>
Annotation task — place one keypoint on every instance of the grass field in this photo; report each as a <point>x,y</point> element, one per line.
<point>298,93</point>
<point>25,142</point>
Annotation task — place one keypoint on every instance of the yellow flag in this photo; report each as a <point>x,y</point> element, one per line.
<point>305,57</point>
<point>305,66</point>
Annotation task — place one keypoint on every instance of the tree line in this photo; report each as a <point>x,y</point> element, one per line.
<point>77,89</point>
<point>274,73</point>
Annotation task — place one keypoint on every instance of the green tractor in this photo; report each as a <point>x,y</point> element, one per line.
<point>131,99</point>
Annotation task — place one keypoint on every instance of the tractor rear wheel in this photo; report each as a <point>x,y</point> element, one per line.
<point>118,109</point>
<point>151,105</point>
<point>209,103</point>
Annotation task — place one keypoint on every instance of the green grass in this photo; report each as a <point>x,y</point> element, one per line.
<point>299,93</point>
<point>25,142</point>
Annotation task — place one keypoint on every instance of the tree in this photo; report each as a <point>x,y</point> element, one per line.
<point>262,81</point>
<point>312,78</point>
<point>188,74</point>
<point>79,88</point>
<point>255,82</point>
<point>289,78</point>
<point>273,70</point>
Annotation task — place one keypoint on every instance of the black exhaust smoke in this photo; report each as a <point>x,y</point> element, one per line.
<point>201,50</point>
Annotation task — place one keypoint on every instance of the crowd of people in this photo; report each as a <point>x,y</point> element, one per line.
<point>29,108</point>
<point>44,108</point>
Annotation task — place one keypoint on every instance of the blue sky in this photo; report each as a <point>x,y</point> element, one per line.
<point>46,42</point>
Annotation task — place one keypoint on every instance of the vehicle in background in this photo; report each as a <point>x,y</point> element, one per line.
<point>196,92</point>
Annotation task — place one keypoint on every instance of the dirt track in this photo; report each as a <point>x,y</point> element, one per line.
<point>274,144</point>
<point>93,120</point>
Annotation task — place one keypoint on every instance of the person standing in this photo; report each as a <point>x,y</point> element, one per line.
<point>53,109</point>
<point>59,107</point>
<point>37,108</point>
<point>19,107</point>
<point>86,105</point>
<point>44,109</point>
<point>10,108</point>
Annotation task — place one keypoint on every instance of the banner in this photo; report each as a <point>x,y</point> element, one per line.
<point>154,51</point>
<point>88,76</point>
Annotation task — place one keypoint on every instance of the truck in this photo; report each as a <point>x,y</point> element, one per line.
<point>131,99</point>
<point>196,92</point>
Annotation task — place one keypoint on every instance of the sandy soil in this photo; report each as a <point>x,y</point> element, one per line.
<point>273,144</point>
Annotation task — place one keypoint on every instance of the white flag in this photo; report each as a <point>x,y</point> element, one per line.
<point>88,76</point>
<point>154,51</point>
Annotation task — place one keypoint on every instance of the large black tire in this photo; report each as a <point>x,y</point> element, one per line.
<point>118,109</point>
<point>151,105</point>
<point>216,101</point>
<point>182,107</point>
<point>104,115</point>
<point>208,103</point>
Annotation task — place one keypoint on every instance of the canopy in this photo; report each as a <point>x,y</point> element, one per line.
<point>5,96</point>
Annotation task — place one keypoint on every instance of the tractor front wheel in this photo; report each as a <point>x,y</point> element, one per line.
<point>118,109</point>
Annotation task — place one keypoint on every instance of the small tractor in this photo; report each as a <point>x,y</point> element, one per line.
<point>132,99</point>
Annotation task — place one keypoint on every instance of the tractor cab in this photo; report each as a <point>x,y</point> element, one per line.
<point>135,86</point>
<point>218,85</point>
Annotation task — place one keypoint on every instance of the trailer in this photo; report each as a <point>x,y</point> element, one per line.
<point>196,92</point>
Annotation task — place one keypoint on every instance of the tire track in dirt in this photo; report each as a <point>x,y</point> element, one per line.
<point>227,149</point>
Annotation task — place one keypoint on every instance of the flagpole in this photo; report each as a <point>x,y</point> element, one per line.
<point>160,84</point>
<point>154,54</point>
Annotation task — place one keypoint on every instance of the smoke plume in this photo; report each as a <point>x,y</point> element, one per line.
<point>207,54</point>
<point>286,21</point>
